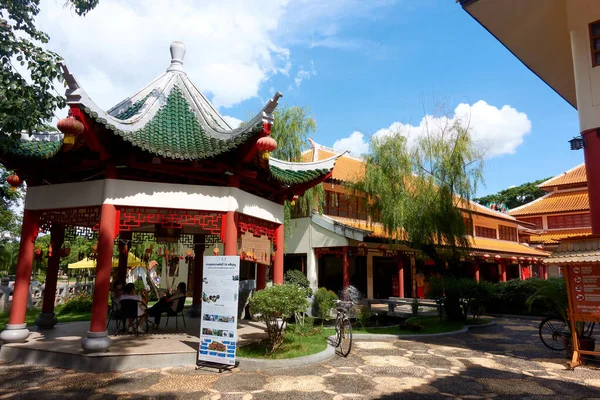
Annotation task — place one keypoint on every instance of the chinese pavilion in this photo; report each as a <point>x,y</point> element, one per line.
<point>163,162</point>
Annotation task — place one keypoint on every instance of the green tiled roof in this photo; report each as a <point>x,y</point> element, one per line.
<point>174,132</point>
<point>131,111</point>
<point>34,149</point>
<point>288,177</point>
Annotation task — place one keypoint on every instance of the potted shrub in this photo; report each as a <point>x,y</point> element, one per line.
<point>553,293</point>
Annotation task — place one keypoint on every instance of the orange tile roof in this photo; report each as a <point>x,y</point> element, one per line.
<point>503,246</point>
<point>478,243</point>
<point>573,177</point>
<point>555,202</point>
<point>347,168</point>
<point>554,236</point>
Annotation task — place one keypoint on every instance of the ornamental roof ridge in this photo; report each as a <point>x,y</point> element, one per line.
<point>328,164</point>
<point>135,112</point>
<point>316,146</point>
<point>524,206</point>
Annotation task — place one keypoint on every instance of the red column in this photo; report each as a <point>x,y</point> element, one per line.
<point>346,268</point>
<point>261,276</point>
<point>124,247</point>
<point>591,152</point>
<point>400,276</point>
<point>198,268</point>
<point>477,271</point>
<point>545,268</point>
<point>57,238</point>
<point>29,232</point>
<point>278,263</point>
<point>104,263</point>
<point>231,234</point>
<point>502,271</point>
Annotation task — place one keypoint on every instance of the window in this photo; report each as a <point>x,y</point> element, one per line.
<point>537,221</point>
<point>569,221</point>
<point>468,225</point>
<point>482,231</point>
<point>595,42</point>
<point>343,205</point>
<point>508,233</point>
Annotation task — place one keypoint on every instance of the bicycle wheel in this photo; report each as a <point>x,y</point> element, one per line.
<point>346,344</point>
<point>552,330</point>
<point>338,331</point>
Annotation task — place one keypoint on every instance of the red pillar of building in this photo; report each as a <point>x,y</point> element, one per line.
<point>97,339</point>
<point>124,247</point>
<point>502,271</point>
<point>199,246</point>
<point>400,276</point>
<point>231,234</point>
<point>591,153</point>
<point>47,319</point>
<point>476,271</point>
<point>278,263</point>
<point>16,329</point>
<point>545,268</point>
<point>346,268</point>
<point>261,276</point>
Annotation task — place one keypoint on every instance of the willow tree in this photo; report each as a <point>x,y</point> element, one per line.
<point>291,129</point>
<point>420,190</point>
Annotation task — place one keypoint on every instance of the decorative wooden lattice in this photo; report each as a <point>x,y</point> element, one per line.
<point>73,232</point>
<point>88,217</point>
<point>257,227</point>
<point>131,219</point>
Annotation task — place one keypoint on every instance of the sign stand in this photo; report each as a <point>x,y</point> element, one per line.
<point>577,278</point>
<point>218,326</point>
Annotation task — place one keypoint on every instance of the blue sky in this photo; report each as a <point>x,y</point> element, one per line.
<point>359,67</point>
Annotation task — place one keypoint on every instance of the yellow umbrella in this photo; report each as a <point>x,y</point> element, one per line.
<point>86,263</point>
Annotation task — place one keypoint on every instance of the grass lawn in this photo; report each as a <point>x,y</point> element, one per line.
<point>430,325</point>
<point>294,345</point>
<point>31,316</point>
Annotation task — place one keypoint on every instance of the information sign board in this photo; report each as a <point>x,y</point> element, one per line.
<point>218,327</point>
<point>584,290</point>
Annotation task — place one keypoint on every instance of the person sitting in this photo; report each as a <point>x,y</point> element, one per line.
<point>116,292</point>
<point>167,303</point>
<point>142,301</point>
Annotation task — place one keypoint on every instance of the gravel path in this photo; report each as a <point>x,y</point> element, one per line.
<point>506,361</point>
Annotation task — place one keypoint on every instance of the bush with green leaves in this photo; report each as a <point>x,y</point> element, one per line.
<point>323,302</point>
<point>459,295</point>
<point>511,297</point>
<point>363,316</point>
<point>296,277</point>
<point>76,304</point>
<point>276,304</point>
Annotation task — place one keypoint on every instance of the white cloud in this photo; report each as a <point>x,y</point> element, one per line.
<point>232,121</point>
<point>305,74</point>
<point>233,46</point>
<point>355,144</point>
<point>496,131</point>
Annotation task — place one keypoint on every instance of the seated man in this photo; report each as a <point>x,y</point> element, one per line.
<point>167,303</point>
<point>141,308</point>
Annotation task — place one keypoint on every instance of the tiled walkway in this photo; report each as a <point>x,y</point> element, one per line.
<point>501,362</point>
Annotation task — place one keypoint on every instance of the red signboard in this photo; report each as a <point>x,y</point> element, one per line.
<point>584,291</point>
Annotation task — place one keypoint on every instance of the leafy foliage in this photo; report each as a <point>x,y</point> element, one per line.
<point>420,193</point>
<point>298,278</point>
<point>459,295</point>
<point>77,303</point>
<point>516,196</point>
<point>291,129</point>
<point>276,304</point>
<point>511,298</point>
<point>323,302</point>
<point>363,316</point>
<point>28,96</point>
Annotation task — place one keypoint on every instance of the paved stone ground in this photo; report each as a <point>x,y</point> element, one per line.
<point>503,362</point>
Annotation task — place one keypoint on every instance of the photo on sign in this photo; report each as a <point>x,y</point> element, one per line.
<point>222,349</point>
<point>211,298</point>
<point>219,318</point>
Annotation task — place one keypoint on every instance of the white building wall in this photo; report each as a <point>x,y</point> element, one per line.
<point>580,13</point>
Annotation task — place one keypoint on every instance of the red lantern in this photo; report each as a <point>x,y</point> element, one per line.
<point>266,143</point>
<point>14,181</point>
<point>486,256</point>
<point>497,257</point>
<point>294,199</point>
<point>71,127</point>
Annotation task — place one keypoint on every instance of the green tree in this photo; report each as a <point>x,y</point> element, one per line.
<point>515,196</point>
<point>421,193</point>
<point>28,96</point>
<point>10,218</point>
<point>291,129</point>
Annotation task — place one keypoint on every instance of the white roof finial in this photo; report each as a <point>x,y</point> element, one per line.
<point>177,54</point>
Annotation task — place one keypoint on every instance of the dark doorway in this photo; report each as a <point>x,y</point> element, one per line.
<point>489,272</point>
<point>358,273</point>
<point>330,272</point>
<point>384,269</point>
<point>408,278</point>
<point>512,271</point>
<point>294,262</point>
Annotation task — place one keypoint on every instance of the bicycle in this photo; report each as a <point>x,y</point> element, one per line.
<point>554,332</point>
<point>343,328</point>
